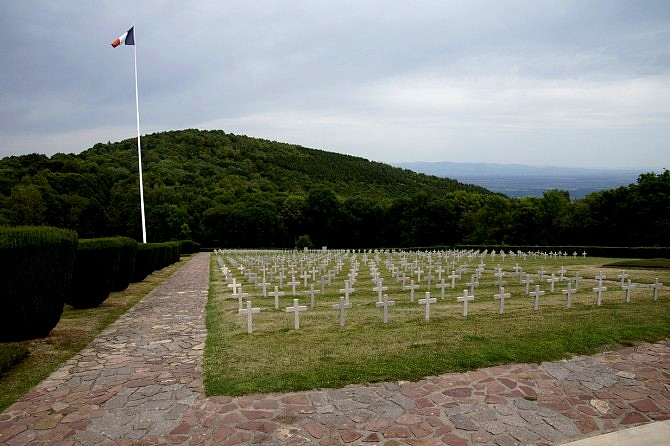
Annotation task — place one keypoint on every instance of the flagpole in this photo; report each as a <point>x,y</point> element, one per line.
<point>139,146</point>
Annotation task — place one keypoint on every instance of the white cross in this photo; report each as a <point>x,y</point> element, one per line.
<point>240,295</point>
<point>305,276</point>
<point>622,276</point>
<point>346,290</point>
<point>600,277</point>
<point>473,283</point>
<point>311,293</point>
<point>527,281</point>
<point>552,280</point>
<point>441,286</point>
<point>427,301</point>
<point>569,291</point>
<point>628,289</point>
<point>249,312</point>
<point>562,271</point>
<point>541,273</point>
<point>411,287</point>
<point>453,276</point>
<point>234,286</point>
<point>276,295</point>
<point>293,283</point>
<point>342,306</point>
<point>656,286</point>
<point>296,309</point>
<point>379,288</point>
<point>577,278</point>
<point>465,299</point>
<point>599,291</point>
<point>386,303</point>
<point>537,293</point>
<point>502,295</point>
<point>264,286</point>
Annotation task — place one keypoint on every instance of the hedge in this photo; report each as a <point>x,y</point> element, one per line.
<point>154,256</point>
<point>189,246</point>
<point>97,266</point>
<point>36,267</point>
<point>128,252</point>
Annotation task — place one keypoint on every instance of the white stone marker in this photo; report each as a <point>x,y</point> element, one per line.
<point>628,289</point>
<point>264,286</point>
<point>552,280</point>
<point>599,291</point>
<point>527,281</point>
<point>656,286</point>
<point>234,286</point>
<point>293,283</point>
<point>569,291</point>
<point>411,287</point>
<point>577,278</point>
<point>347,290</point>
<point>427,301</point>
<point>380,288</point>
<point>465,299</point>
<point>276,295</point>
<point>453,276</point>
<point>342,306</point>
<point>441,286</point>
<point>296,309</point>
<point>623,277</point>
<point>311,293</point>
<point>472,284</point>
<point>239,296</point>
<point>386,303</point>
<point>541,273</point>
<point>249,312</point>
<point>501,296</point>
<point>537,293</point>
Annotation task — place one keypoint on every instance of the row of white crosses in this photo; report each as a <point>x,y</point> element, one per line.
<point>427,301</point>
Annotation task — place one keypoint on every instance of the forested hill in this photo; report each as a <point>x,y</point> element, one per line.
<point>217,188</point>
<point>223,165</point>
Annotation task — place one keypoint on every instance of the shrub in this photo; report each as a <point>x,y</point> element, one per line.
<point>96,269</point>
<point>146,261</point>
<point>128,249</point>
<point>36,266</point>
<point>189,246</point>
<point>11,355</point>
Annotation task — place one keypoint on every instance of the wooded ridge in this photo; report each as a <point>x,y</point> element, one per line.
<point>228,190</point>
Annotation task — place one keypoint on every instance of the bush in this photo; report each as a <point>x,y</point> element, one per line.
<point>189,246</point>
<point>128,248</point>
<point>36,266</point>
<point>11,355</point>
<point>154,256</point>
<point>97,265</point>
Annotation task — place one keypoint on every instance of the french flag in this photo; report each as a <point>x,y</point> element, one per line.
<point>128,38</point>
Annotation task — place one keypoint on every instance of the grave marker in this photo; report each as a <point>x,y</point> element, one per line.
<point>386,303</point>
<point>427,301</point>
<point>599,291</point>
<point>501,296</point>
<point>293,283</point>
<point>656,286</point>
<point>311,293</point>
<point>341,306</point>
<point>296,309</point>
<point>441,286</point>
<point>623,277</point>
<point>249,312</point>
<point>276,295</point>
<point>465,299</point>
<point>552,280</point>
<point>629,287</point>
<point>537,293</point>
<point>411,287</point>
<point>569,291</point>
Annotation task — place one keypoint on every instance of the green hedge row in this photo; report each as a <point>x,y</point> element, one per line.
<point>36,266</point>
<point>43,268</point>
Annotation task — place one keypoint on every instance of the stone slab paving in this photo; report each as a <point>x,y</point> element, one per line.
<point>140,382</point>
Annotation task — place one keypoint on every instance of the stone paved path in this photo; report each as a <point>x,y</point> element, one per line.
<point>140,382</point>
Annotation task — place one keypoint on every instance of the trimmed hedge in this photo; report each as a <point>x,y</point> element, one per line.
<point>10,355</point>
<point>154,256</point>
<point>128,248</point>
<point>36,267</point>
<point>97,266</point>
<point>189,246</point>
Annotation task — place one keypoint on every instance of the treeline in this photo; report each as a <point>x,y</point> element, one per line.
<point>225,190</point>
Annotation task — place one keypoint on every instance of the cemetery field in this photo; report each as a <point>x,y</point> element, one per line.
<point>76,329</point>
<point>415,341</point>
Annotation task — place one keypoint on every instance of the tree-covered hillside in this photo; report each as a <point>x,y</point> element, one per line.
<point>225,190</point>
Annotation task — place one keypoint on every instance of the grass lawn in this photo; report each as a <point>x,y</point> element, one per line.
<point>321,354</point>
<point>74,331</point>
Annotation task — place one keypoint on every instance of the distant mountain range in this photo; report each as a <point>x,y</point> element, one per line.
<point>518,180</point>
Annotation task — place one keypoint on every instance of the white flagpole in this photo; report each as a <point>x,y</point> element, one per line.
<point>139,146</point>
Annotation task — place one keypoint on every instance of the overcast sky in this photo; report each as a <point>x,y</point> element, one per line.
<point>567,83</point>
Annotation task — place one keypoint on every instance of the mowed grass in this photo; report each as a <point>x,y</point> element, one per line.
<point>321,354</point>
<point>75,330</point>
